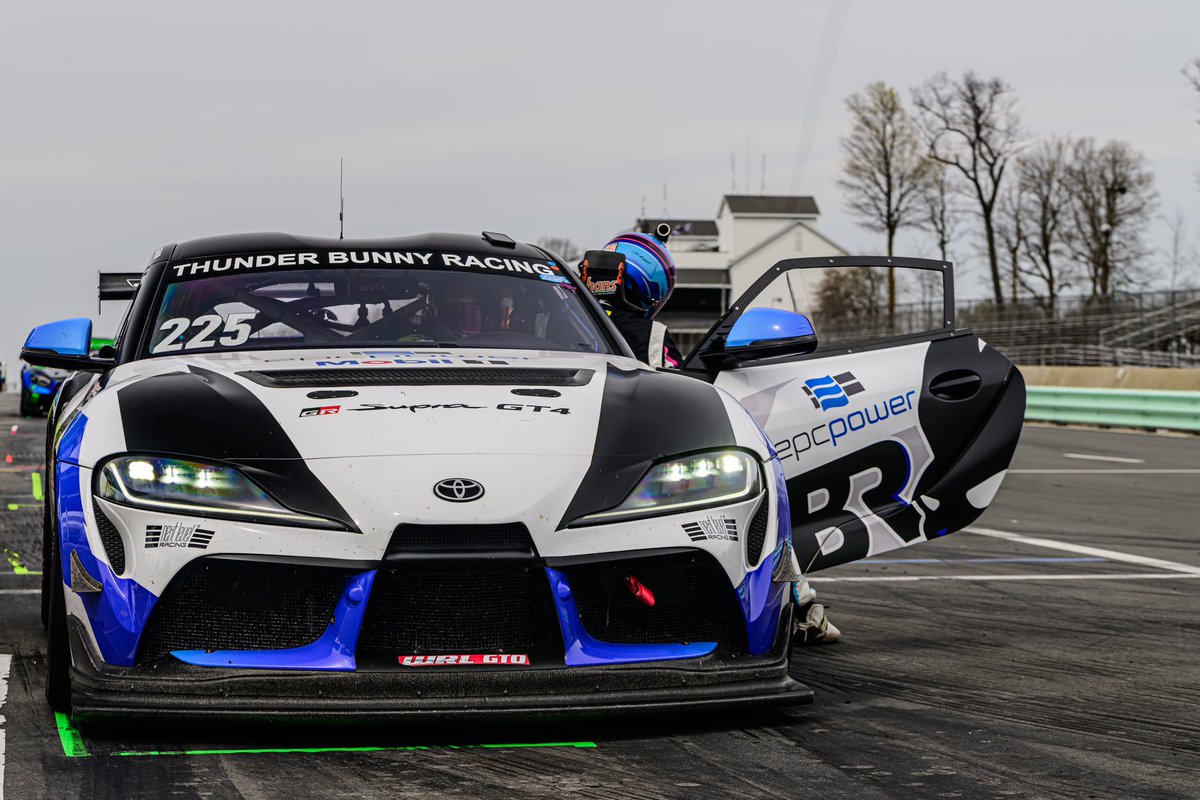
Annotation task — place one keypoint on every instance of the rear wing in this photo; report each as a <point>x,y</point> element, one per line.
<point>118,285</point>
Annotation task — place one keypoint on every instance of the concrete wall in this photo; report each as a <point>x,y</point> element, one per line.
<point>1114,377</point>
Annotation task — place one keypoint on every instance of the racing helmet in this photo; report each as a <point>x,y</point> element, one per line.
<point>649,270</point>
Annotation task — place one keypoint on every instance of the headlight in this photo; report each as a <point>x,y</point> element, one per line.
<point>715,478</point>
<point>191,487</point>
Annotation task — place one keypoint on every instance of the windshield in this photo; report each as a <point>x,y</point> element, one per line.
<point>459,301</point>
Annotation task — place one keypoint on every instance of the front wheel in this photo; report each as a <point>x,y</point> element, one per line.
<point>26,404</point>
<point>58,647</point>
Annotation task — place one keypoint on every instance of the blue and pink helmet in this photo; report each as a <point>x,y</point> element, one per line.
<point>649,268</point>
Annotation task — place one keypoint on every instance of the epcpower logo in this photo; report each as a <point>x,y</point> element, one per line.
<point>832,391</point>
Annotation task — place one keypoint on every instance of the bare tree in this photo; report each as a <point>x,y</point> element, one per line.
<point>1010,234</point>
<point>1045,199</point>
<point>561,246</point>
<point>940,211</point>
<point>1180,253</point>
<point>972,126</point>
<point>883,170</point>
<point>1191,71</point>
<point>1113,195</point>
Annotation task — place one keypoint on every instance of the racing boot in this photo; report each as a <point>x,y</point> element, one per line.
<point>810,623</point>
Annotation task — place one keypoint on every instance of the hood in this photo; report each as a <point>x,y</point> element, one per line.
<point>581,427</point>
<point>357,404</point>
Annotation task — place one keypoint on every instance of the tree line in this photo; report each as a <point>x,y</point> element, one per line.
<point>1053,213</point>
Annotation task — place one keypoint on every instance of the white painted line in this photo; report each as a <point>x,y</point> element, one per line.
<point>1111,555</point>
<point>1118,459</point>
<point>1104,472</point>
<point>20,591</point>
<point>5,663</point>
<point>1095,576</point>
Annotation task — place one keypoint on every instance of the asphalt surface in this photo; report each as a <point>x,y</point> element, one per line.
<point>1054,652</point>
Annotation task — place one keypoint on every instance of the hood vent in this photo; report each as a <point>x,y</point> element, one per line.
<point>419,376</point>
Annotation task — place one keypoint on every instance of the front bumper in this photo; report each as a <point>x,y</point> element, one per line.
<point>180,690</point>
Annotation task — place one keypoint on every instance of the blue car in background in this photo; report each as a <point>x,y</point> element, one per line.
<point>38,385</point>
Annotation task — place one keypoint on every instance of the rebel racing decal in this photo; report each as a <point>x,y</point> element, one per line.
<point>722,528</point>
<point>178,534</point>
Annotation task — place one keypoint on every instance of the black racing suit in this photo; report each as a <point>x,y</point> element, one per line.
<point>649,340</point>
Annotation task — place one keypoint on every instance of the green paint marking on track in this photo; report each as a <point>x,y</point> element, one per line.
<point>284,750</point>
<point>14,561</point>
<point>68,734</point>
<point>36,479</point>
<point>19,506</point>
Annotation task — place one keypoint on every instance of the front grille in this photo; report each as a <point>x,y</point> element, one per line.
<point>693,601</point>
<point>756,533</point>
<point>443,612</point>
<point>513,537</point>
<point>114,545</point>
<point>420,376</point>
<point>222,604</point>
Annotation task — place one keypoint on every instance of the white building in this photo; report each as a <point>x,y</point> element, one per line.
<point>717,260</point>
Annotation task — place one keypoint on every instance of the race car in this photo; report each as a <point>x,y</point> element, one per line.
<point>38,385</point>
<point>424,475</point>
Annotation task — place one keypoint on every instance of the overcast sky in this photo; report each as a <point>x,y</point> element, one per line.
<point>124,126</point>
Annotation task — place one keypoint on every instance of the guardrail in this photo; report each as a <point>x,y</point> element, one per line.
<point>1123,408</point>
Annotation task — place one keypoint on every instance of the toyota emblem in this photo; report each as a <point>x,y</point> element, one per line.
<point>458,490</point>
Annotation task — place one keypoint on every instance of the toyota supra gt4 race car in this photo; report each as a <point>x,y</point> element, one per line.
<point>424,474</point>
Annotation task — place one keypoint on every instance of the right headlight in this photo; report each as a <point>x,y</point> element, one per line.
<point>156,483</point>
<point>688,483</point>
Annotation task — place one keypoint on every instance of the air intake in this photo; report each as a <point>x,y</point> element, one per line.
<point>419,376</point>
<point>114,546</point>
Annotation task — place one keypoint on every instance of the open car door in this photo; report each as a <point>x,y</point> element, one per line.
<point>892,426</point>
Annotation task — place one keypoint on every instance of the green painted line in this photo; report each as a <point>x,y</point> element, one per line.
<point>380,749</point>
<point>14,561</point>
<point>19,506</point>
<point>68,734</point>
<point>36,478</point>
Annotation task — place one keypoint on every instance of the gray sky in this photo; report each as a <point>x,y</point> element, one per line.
<point>128,125</point>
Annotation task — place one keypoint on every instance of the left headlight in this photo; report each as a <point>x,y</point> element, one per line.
<point>689,483</point>
<point>192,487</point>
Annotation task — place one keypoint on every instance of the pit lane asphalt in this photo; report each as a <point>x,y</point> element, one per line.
<point>993,668</point>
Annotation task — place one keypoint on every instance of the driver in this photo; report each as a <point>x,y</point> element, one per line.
<point>646,284</point>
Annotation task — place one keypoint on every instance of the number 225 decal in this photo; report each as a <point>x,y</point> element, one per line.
<point>234,330</point>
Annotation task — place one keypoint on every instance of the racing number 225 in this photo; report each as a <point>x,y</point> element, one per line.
<point>235,330</point>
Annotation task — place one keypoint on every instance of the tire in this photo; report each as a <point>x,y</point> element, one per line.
<point>47,554</point>
<point>58,647</point>
<point>26,404</point>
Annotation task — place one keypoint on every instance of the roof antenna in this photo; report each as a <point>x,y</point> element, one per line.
<point>341,199</point>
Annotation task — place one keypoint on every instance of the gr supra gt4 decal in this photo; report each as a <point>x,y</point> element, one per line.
<point>273,496</point>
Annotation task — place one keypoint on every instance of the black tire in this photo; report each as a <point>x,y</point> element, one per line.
<point>58,647</point>
<point>47,554</point>
<point>26,405</point>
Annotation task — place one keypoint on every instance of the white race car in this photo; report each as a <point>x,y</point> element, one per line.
<point>423,474</point>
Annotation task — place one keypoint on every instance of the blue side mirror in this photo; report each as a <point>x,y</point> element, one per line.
<point>761,325</point>
<point>68,337</point>
<point>766,333</point>
<point>65,345</point>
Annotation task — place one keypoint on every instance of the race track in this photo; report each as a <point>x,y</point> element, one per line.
<point>1052,652</point>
